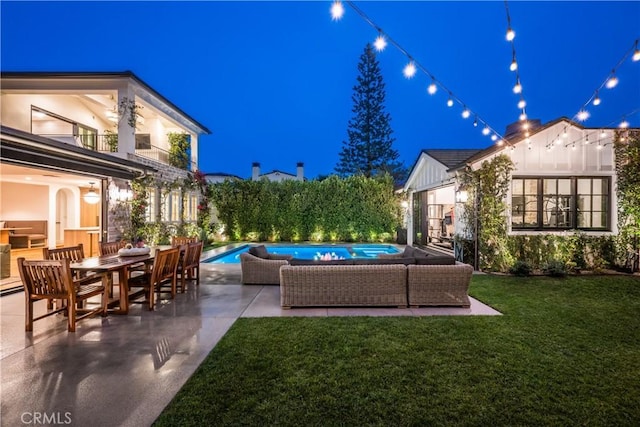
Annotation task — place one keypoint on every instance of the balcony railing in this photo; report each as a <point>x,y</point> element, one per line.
<point>109,144</point>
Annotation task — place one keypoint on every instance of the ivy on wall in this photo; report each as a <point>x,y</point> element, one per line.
<point>355,208</point>
<point>626,147</point>
<point>179,150</point>
<point>485,211</point>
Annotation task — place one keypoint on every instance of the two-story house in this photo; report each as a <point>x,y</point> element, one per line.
<point>73,142</point>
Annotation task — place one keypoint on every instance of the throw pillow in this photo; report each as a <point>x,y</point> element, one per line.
<point>260,251</point>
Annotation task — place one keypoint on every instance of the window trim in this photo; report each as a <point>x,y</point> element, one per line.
<point>573,203</point>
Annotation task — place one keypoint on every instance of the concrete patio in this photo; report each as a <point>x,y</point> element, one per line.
<point>123,370</point>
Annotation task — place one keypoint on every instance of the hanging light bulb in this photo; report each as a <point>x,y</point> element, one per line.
<point>564,133</point>
<point>623,124</point>
<point>432,89</point>
<point>612,82</point>
<point>475,122</point>
<point>603,134</point>
<point>449,102</point>
<point>494,137</point>
<point>558,141</point>
<point>92,197</point>
<point>521,104</point>
<point>514,64</point>
<point>410,70</point>
<point>523,117</point>
<point>485,130</point>
<point>583,115</point>
<point>599,147</point>
<point>596,100</point>
<point>525,126</point>
<point>500,142</point>
<point>466,113</point>
<point>518,87</point>
<point>510,34</point>
<point>337,10</point>
<point>380,43</point>
<point>586,139</point>
<point>636,53</point>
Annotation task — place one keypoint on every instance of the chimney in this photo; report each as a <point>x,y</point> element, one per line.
<point>255,171</point>
<point>300,171</point>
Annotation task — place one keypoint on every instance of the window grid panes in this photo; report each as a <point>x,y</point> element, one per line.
<point>560,203</point>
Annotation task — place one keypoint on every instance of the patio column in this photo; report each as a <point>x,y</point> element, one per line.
<point>126,133</point>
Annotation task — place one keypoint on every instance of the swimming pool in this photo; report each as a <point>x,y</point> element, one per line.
<point>309,251</point>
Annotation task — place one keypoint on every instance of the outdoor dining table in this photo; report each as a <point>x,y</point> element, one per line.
<point>114,263</point>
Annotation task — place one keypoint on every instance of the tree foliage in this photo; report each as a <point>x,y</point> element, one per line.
<point>369,150</point>
<point>179,150</point>
<point>355,208</point>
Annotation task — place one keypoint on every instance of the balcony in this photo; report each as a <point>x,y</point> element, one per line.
<point>109,144</point>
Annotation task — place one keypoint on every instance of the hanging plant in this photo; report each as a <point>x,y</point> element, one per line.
<point>130,110</point>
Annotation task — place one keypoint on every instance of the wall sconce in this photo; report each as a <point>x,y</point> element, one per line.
<point>92,197</point>
<point>404,204</point>
<point>462,195</point>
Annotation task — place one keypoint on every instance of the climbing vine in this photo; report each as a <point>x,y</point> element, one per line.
<point>179,150</point>
<point>626,147</point>
<point>130,110</point>
<point>485,211</point>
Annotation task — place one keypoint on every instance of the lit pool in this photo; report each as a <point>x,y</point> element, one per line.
<point>310,251</point>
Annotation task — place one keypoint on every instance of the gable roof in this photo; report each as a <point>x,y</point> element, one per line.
<point>100,75</point>
<point>451,157</point>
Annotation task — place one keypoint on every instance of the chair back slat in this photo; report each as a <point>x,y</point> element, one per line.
<point>72,253</point>
<point>182,240</point>
<point>165,265</point>
<point>110,248</point>
<point>192,255</point>
<point>49,278</point>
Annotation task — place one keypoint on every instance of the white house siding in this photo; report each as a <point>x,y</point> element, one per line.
<point>586,159</point>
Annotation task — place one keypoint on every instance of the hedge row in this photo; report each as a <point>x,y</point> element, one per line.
<point>349,209</point>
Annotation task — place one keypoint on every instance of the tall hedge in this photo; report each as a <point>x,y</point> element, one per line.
<point>349,209</point>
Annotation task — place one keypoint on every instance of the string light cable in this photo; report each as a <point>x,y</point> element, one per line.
<point>413,66</point>
<point>517,88</point>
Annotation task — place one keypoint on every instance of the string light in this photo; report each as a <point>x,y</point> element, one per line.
<point>337,11</point>
<point>518,87</point>
<point>380,43</point>
<point>522,104</point>
<point>636,53</point>
<point>514,65</point>
<point>613,81</point>
<point>510,34</point>
<point>623,124</point>
<point>583,115</point>
<point>409,71</point>
<point>596,100</point>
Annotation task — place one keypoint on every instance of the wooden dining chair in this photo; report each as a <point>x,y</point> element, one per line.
<point>73,254</point>
<point>189,267</point>
<point>52,280</point>
<point>182,240</point>
<point>163,275</point>
<point>110,248</point>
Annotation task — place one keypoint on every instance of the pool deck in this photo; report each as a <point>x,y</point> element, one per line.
<point>123,370</point>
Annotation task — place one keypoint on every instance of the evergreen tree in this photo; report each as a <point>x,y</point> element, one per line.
<point>369,150</point>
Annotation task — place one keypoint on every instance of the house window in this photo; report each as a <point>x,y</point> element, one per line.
<point>191,208</point>
<point>560,203</point>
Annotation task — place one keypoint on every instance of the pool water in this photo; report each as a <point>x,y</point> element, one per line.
<point>310,252</point>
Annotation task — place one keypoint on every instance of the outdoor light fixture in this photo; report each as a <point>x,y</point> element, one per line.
<point>636,53</point>
<point>612,82</point>
<point>510,34</point>
<point>380,43</point>
<point>337,10</point>
<point>523,117</point>
<point>596,100</point>
<point>514,65</point>
<point>462,195</point>
<point>410,70</point>
<point>518,87</point>
<point>623,124</point>
<point>466,113</point>
<point>432,89</point>
<point>522,103</point>
<point>486,130</point>
<point>449,102</point>
<point>583,115</point>
<point>494,137</point>
<point>92,197</point>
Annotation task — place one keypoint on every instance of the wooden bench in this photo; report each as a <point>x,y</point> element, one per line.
<point>34,233</point>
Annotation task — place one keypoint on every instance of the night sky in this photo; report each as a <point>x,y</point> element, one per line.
<point>273,80</point>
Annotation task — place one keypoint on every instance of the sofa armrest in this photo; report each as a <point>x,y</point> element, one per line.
<point>280,257</point>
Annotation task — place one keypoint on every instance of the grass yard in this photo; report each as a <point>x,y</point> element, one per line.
<point>566,352</point>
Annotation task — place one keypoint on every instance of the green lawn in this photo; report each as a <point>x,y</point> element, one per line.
<point>566,352</point>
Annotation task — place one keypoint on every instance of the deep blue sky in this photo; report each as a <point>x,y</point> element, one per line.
<point>273,80</point>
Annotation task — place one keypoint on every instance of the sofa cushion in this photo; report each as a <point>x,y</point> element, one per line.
<point>420,253</point>
<point>436,260</point>
<point>299,261</point>
<point>260,251</point>
<point>383,261</point>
